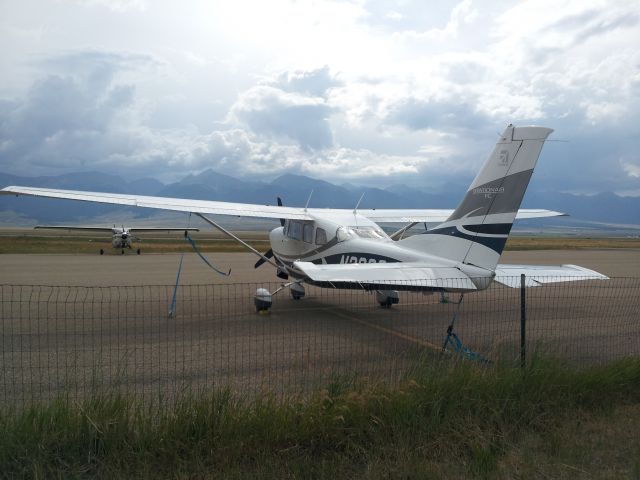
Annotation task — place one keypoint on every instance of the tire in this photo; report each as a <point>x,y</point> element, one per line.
<point>101,252</point>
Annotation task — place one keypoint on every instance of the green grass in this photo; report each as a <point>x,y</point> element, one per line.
<point>448,420</point>
<point>569,243</point>
<point>90,244</point>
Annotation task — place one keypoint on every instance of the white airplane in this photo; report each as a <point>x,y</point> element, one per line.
<point>338,248</point>
<point>121,237</point>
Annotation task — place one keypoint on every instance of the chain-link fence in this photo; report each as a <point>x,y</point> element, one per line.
<point>76,341</point>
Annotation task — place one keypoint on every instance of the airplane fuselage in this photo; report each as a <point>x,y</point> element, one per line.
<point>121,238</point>
<point>352,239</point>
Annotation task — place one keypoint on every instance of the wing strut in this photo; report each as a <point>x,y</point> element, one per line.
<point>242,242</point>
<point>400,233</point>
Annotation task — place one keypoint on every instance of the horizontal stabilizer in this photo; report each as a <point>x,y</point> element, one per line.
<point>401,276</point>
<point>536,275</point>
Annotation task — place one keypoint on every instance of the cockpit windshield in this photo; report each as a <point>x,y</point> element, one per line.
<point>347,233</point>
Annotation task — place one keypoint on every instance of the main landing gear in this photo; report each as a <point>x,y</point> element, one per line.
<point>138,251</point>
<point>297,291</point>
<point>263,299</point>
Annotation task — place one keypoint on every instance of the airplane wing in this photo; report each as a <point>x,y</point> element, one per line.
<point>249,210</point>
<point>441,215</point>
<point>166,203</point>
<point>536,275</point>
<point>68,227</point>
<point>160,229</point>
<point>395,275</point>
<point>110,229</point>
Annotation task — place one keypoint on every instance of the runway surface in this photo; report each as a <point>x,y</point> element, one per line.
<point>115,331</point>
<point>160,269</point>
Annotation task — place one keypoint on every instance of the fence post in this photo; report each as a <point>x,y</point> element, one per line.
<point>523,322</point>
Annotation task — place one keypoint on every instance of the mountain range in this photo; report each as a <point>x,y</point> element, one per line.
<point>605,208</point>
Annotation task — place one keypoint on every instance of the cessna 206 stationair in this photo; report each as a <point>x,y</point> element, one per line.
<point>121,237</point>
<point>347,249</point>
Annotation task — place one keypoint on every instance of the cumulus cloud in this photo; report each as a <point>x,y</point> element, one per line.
<point>272,112</point>
<point>314,83</point>
<point>423,114</point>
<point>115,5</point>
<point>632,169</point>
<point>401,92</point>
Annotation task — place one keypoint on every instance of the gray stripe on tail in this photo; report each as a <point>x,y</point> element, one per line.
<point>502,195</point>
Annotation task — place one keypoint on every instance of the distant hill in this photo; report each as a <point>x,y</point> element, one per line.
<point>294,189</point>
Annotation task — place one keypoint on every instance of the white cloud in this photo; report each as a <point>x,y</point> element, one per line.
<point>339,89</point>
<point>632,169</point>
<point>271,112</point>
<point>115,5</point>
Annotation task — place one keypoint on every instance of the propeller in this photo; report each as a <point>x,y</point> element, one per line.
<point>269,253</point>
<point>282,219</point>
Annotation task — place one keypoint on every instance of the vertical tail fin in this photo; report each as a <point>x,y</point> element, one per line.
<point>477,230</point>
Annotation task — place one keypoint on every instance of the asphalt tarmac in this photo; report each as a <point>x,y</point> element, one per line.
<point>115,332</point>
<point>114,269</point>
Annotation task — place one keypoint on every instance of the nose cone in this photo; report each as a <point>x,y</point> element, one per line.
<point>276,235</point>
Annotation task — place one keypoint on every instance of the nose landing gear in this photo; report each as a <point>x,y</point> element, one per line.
<point>263,299</point>
<point>386,298</point>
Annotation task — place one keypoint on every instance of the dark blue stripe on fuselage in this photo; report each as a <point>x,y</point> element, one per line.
<point>356,257</point>
<point>490,228</point>
<point>494,243</point>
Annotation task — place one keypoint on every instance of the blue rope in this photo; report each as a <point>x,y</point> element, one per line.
<point>195,249</point>
<point>172,307</point>
<point>458,347</point>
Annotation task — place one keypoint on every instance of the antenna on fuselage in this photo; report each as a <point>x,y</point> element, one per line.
<point>355,210</point>
<point>308,200</point>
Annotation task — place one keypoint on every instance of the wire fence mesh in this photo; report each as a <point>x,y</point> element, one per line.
<point>76,341</point>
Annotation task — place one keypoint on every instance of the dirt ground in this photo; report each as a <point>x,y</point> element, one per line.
<point>77,324</point>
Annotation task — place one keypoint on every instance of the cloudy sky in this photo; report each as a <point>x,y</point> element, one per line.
<point>366,92</point>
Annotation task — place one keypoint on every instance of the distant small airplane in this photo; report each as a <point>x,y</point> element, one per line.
<point>121,237</point>
<point>346,248</point>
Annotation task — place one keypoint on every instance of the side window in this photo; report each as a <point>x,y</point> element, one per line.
<point>295,230</point>
<point>321,236</point>
<point>308,233</point>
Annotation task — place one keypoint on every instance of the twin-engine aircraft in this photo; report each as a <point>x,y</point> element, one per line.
<point>336,248</point>
<point>121,237</point>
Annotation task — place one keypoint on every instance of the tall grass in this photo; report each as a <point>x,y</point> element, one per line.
<point>447,419</point>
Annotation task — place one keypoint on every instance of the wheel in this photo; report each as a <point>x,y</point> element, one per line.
<point>385,304</point>
<point>138,251</point>
<point>123,251</point>
<point>101,252</point>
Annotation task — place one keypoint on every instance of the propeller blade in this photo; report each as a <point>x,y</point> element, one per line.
<point>282,219</point>
<point>268,254</point>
